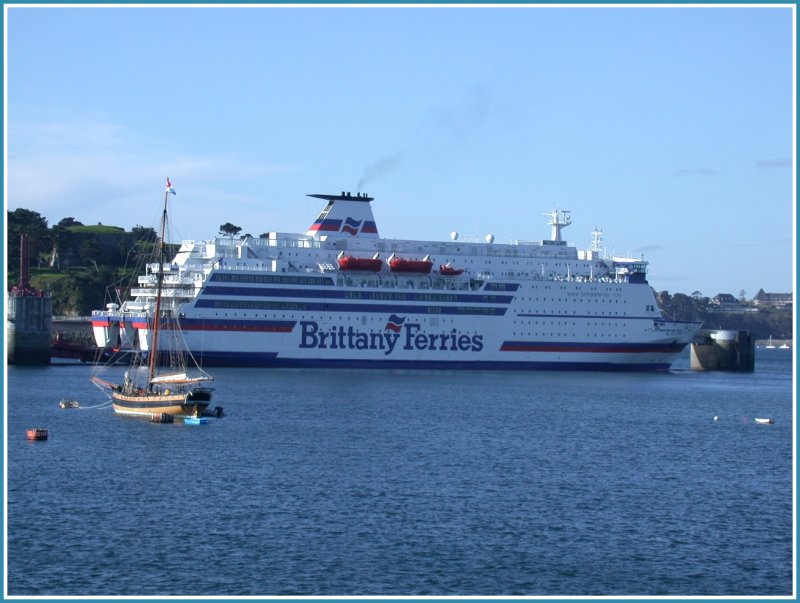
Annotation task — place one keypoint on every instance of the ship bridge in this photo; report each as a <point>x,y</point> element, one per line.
<point>345,215</point>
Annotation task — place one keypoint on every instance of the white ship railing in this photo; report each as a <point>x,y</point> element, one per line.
<point>166,292</point>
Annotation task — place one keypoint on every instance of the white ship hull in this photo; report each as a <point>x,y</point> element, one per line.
<point>570,334</point>
<point>283,301</point>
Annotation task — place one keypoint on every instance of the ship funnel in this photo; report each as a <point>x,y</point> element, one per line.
<point>345,216</point>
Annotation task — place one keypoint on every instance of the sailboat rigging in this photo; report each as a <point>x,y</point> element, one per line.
<point>164,385</point>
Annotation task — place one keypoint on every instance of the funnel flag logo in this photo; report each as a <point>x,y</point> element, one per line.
<point>351,226</point>
<point>395,323</point>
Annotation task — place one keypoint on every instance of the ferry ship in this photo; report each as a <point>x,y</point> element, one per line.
<point>339,295</point>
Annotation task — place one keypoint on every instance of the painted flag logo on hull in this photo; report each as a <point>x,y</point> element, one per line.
<point>395,323</point>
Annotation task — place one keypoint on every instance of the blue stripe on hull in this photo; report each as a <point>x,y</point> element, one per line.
<point>236,359</point>
<point>349,294</point>
<point>270,360</point>
<point>377,308</point>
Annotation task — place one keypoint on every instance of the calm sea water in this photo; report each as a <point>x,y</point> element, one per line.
<point>409,483</point>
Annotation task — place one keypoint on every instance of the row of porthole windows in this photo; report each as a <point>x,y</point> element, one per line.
<point>573,334</point>
<point>559,323</point>
<point>458,261</point>
<point>572,299</point>
<point>565,287</point>
<point>362,318</point>
<point>544,322</point>
<point>586,312</point>
<point>354,317</point>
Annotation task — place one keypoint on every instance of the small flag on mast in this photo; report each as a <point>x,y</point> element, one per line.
<point>169,186</point>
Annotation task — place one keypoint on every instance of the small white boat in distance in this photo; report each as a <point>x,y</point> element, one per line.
<point>764,420</point>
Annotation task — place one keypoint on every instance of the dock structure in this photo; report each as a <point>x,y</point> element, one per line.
<point>28,319</point>
<point>723,351</point>
<point>28,329</point>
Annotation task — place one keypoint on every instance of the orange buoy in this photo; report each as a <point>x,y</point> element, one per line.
<point>37,433</point>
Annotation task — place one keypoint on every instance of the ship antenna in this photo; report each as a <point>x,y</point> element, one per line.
<point>597,240</point>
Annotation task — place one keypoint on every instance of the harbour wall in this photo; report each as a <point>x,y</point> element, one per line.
<point>723,351</point>
<point>28,329</point>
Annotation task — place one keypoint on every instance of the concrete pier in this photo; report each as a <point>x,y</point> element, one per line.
<point>29,318</point>
<point>28,326</point>
<point>723,351</point>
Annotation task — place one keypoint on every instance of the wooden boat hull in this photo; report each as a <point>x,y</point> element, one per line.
<point>178,404</point>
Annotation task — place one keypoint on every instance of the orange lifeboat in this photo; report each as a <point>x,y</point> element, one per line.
<point>448,270</point>
<point>400,265</point>
<point>349,262</point>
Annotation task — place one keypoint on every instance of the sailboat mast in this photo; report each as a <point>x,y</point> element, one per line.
<point>151,365</point>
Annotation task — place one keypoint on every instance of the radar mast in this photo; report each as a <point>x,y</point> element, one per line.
<point>558,220</point>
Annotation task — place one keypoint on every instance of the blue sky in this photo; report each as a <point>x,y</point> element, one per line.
<point>671,129</point>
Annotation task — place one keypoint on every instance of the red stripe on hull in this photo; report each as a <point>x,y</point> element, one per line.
<point>641,348</point>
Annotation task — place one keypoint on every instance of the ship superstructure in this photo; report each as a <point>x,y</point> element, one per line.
<point>341,296</point>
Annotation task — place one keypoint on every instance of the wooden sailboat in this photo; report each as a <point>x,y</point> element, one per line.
<point>163,385</point>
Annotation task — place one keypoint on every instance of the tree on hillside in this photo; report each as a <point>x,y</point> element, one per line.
<point>144,233</point>
<point>61,237</point>
<point>70,221</point>
<point>229,230</point>
<point>81,293</point>
<point>89,251</point>
<point>33,224</point>
<point>683,308</point>
<point>664,300</point>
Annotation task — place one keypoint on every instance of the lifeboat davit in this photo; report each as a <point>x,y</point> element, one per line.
<point>401,265</point>
<point>448,270</point>
<point>349,262</point>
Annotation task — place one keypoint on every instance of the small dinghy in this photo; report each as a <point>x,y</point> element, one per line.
<point>448,270</point>
<point>68,403</point>
<point>769,421</point>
